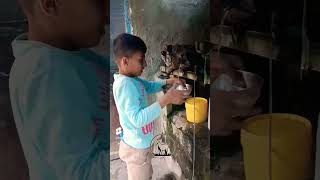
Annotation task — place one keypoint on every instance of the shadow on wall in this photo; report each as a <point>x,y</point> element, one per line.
<point>13,165</point>
<point>114,124</point>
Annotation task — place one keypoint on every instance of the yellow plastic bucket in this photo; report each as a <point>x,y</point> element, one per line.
<point>291,139</point>
<point>196,109</point>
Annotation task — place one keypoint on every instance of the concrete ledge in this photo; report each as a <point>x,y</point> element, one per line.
<point>256,43</point>
<point>181,132</point>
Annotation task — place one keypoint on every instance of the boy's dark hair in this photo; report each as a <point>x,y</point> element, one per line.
<point>127,44</point>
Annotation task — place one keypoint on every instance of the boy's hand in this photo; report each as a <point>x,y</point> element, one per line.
<point>172,96</point>
<point>175,81</point>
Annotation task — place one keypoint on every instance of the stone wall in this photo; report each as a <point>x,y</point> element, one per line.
<point>160,22</point>
<point>178,129</point>
<point>182,133</point>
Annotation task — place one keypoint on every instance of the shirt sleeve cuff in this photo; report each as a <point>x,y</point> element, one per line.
<point>157,104</point>
<point>163,82</point>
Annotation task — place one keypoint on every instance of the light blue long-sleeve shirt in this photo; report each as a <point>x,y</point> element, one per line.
<point>136,117</point>
<point>60,106</point>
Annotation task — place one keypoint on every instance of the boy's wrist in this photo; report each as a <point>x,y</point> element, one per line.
<point>169,81</point>
<point>163,101</point>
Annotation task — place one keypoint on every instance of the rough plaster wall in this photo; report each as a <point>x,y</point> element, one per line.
<point>161,22</point>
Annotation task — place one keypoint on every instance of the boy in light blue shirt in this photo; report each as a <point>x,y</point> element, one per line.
<point>136,116</point>
<point>58,91</point>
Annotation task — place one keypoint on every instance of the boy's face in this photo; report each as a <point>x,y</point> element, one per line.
<point>83,21</point>
<point>135,64</point>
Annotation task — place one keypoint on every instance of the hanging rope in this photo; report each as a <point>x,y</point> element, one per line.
<point>194,127</point>
<point>270,97</point>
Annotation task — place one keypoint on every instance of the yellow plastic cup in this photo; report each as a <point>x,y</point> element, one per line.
<point>197,113</point>
<point>291,147</point>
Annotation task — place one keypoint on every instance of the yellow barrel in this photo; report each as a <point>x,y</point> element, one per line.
<point>291,139</point>
<point>197,113</point>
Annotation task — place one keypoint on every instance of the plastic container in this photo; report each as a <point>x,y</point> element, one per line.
<point>196,109</point>
<point>233,98</point>
<point>291,139</point>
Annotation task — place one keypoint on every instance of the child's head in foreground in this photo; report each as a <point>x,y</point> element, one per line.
<point>66,24</point>
<point>129,52</point>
